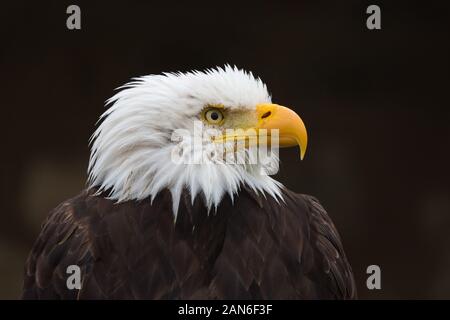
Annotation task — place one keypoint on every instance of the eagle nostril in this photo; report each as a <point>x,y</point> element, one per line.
<point>265,115</point>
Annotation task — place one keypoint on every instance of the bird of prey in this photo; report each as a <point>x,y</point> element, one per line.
<point>165,215</point>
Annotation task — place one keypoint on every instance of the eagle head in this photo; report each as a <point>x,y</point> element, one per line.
<point>192,132</point>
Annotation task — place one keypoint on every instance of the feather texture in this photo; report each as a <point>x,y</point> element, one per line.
<point>251,248</point>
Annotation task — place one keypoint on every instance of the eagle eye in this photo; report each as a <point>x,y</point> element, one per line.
<point>213,116</point>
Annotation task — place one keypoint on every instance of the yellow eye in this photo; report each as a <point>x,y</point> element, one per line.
<point>213,116</point>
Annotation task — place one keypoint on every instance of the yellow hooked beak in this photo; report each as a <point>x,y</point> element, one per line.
<point>269,117</point>
<point>292,130</point>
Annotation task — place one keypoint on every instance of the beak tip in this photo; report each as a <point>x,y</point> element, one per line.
<point>302,155</point>
<point>302,147</point>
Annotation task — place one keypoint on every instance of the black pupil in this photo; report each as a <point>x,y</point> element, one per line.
<point>214,116</point>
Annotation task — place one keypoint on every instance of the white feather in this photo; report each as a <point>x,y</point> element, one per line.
<point>131,150</point>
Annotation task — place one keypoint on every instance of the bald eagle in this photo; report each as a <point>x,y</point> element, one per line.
<point>201,227</point>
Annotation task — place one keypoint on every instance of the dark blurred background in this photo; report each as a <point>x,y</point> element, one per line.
<point>375,104</point>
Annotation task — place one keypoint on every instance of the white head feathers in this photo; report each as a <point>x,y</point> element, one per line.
<point>132,147</point>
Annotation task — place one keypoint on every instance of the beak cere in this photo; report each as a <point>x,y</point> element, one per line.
<point>292,130</point>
